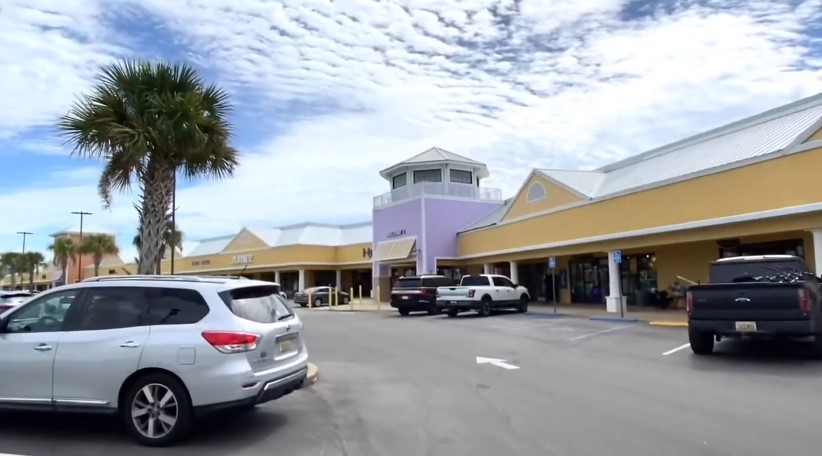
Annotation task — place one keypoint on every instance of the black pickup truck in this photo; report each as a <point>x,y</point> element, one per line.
<point>768,296</point>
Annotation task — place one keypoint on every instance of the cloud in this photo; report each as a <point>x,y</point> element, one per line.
<point>328,93</point>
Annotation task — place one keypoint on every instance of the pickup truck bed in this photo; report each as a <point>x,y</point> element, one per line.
<point>761,297</point>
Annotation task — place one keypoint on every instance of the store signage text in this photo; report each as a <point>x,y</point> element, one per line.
<point>396,233</point>
<point>201,263</point>
<point>367,253</point>
<point>242,259</point>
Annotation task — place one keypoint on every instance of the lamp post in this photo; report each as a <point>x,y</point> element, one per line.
<point>80,255</point>
<point>24,234</point>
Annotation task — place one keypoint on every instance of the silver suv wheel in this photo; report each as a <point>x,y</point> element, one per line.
<point>154,411</point>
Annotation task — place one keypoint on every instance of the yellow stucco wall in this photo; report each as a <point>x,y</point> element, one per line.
<point>245,241</point>
<point>556,196</point>
<point>352,254</point>
<point>778,183</point>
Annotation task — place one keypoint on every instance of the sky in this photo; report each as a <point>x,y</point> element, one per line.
<point>327,93</point>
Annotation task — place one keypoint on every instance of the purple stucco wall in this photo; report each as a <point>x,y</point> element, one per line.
<point>443,218</point>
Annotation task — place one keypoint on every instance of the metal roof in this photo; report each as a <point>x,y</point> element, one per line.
<point>489,219</point>
<point>211,246</point>
<point>436,155</point>
<point>754,137</point>
<point>87,229</point>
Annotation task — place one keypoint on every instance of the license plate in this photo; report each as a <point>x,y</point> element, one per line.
<point>287,345</point>
<point>453,302</point>
<point>405,297</point>
<point>746,326</point>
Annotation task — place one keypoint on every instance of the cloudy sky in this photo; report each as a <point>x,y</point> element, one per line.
<point>327,93</point>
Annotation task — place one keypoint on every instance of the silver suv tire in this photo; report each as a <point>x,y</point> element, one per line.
<point>157,410</point>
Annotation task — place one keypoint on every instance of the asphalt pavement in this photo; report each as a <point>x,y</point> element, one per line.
<point>508,384</point>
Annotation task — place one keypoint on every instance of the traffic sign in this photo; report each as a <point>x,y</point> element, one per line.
<point>617,256</point>
<point>552,262</point>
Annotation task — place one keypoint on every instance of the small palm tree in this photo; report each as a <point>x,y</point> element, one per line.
<point>171,239</point>
<point>11,262</point>
<point>148,121</point>
<point>64,251</point>
<point>31,262</point>
<point>98,246</point>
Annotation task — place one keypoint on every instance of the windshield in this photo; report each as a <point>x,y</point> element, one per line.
<point>261,304</point>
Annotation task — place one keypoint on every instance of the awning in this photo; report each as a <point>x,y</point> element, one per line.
<point>398,249</point>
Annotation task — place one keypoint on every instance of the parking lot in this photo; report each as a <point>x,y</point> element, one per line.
<point>517,384</point>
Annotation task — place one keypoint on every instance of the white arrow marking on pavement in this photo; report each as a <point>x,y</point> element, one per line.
<point>496,362</point>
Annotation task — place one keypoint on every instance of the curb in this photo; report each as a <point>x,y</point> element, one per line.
<point>669,324</point>
<point>545,314</point>
<point>313,374</point>
<point>613,319</point>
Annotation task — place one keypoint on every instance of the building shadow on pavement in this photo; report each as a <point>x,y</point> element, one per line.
<point>784,357</point>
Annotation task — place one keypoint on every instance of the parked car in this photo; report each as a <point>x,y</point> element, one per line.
<point>418,293</point>
<point>763,296</point>
<point>159,351</point>
<point>319,297</point>
<point>9,299</point>
<point>483,293</point>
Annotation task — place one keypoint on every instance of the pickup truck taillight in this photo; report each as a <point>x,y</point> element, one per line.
<point>689,302</point>
<point>804,300</point>
<point>471,293</point>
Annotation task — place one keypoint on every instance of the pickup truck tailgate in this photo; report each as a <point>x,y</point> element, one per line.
<point>444,293</point>
<point>746,301</point>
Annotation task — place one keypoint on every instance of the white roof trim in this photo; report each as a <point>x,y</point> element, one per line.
<point>751,216</point>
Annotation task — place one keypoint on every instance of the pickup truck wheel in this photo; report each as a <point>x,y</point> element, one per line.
<point>452,313</point>
<point>485,307</point>
<point>404,312</point>
<point>433,310</point>
<point>701,343</point>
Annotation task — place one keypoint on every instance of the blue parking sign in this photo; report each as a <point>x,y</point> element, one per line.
<point>617,256</point>
<point>552,262</point>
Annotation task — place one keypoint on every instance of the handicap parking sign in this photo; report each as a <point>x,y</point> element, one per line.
<point>617,256</point>
<point>552,262</point>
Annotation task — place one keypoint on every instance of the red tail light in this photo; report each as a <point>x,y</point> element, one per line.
<point>231,342</point>
<point>689,302</point>
<point>471,293</point>
<point>804,300</point>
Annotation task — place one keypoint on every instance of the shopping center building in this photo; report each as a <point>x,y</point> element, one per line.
<point>617,233</point>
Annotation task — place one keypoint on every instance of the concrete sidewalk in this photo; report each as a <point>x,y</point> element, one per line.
<point>655,317</point>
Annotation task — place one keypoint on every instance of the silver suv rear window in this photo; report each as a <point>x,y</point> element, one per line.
<point>261,304</point>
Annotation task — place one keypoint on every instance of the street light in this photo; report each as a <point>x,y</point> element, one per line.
<point>79,254</point>
<point>24,234</point>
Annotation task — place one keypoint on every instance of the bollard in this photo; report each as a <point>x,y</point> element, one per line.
<point>332,299</point>
<point>377,296</point>
<point>351,297</point>
<point>310,302</point>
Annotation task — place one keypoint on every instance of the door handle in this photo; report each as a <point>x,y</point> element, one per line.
<point>43,347</point>
<point>129,344</point>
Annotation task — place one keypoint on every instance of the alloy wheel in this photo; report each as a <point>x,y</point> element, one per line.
<point>154,411</point>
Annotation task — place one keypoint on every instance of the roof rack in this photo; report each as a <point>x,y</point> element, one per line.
<point>167,277</point>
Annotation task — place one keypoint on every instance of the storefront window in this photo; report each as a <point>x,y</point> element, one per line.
<point>590,282</point>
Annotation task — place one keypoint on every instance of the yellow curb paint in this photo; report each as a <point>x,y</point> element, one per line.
<point>672,324</point>
<point>313,373</point>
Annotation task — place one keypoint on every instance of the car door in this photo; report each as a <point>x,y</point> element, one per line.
<point>29,338</point>
<point>505,288</point>
<point>101,347</point>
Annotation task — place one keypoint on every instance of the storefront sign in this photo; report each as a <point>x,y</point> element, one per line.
<point>242,259</point>
<point>201,263</point>
<point>367,253</point>
<point>396,233</point>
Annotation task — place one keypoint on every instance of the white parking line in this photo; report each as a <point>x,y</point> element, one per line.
<point>604,331</point>
<point>674,350</point>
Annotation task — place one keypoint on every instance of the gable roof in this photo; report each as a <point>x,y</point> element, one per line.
<point>490,219</point>
<point>436,155</point>
<point>211,246</point>
<point>754,137</point>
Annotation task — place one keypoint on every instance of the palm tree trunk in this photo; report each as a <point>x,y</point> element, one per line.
<point>154,207</point>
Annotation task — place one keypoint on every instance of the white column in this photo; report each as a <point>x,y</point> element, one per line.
<point>338,278</point>
<point>277,277</point>
<point>301,280</point>
<point>514,272</point>
<point>817,250</point>
<point>487,268</point>
<point>614,299</point>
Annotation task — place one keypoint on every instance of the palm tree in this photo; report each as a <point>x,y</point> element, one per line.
<point>98,246</point>
<point>30,263</point>
<point>11,262</point>
<point>172,238</point>
<point>148,121</point>
<point>64,251</point>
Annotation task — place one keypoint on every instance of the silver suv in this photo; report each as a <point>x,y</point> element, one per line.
<point>160,351</point>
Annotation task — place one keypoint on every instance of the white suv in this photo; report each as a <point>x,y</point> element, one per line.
<point>159,351</point>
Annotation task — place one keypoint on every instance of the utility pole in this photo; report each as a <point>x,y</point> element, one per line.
<point>24,234</point>
<point>80,255</point>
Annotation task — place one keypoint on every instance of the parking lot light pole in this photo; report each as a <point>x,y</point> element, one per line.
<point>24,234</point>
<point>79,254</point>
